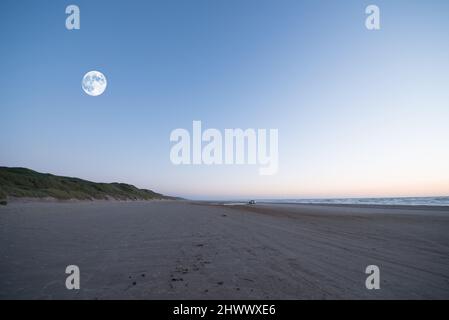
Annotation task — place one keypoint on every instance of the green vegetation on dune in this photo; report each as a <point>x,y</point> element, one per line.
<point>22,182</point>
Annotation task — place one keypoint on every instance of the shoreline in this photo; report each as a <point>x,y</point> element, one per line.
<point>275,205</point>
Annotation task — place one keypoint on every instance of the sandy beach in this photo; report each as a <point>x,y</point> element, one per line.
<point>187,250</point>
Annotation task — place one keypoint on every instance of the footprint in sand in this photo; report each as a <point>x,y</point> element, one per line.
<point>177,279</point>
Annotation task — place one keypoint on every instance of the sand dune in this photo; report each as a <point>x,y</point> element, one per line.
<point>184,250</point>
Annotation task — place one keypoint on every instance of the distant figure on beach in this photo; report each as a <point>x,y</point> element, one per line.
<point>251,202</point>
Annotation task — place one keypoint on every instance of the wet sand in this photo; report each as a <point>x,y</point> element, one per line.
<point>185,250</point>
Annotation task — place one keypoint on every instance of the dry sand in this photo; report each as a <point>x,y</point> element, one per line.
<point>182,250</point>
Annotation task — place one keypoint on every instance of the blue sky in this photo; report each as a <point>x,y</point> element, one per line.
<point>359,113</point>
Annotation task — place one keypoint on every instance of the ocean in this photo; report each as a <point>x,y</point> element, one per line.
<point>399,201</point>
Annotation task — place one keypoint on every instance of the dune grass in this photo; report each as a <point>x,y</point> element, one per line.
<point>22,182</point>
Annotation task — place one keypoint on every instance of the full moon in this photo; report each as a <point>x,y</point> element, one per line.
<point>94,83</point>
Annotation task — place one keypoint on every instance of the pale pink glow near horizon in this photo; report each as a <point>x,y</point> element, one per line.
<point>339,191</point>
